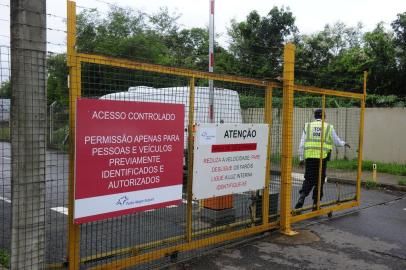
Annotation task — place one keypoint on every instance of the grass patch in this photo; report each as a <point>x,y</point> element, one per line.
<point>370,184</point>
<point>4,258</point>
<point>4,134</point>
<point>402,182</point>
<point>277,159</point>
<point>352,165</point>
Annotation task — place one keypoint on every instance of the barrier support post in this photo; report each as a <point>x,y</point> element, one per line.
<point>190,159</point>
<point>319,185</point>
<point>361,139</point>
<point>287,138</point>
<point>74,93</point>
<point>268,120</point>
<point>374,170</point>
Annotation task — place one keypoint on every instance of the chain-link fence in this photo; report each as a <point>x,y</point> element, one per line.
<point>163,233</point>
<point>40,212</point>
<point>339,130</point>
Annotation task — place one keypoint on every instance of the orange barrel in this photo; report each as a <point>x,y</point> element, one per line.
<point>219,203</point>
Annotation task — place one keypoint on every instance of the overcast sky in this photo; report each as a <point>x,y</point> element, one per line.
<point>311,15</point>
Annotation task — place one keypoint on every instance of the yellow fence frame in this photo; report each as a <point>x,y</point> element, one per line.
<point>286,214</point>
<point>74,61</point>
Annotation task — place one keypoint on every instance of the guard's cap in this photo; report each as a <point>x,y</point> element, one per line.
<point>318,113</point>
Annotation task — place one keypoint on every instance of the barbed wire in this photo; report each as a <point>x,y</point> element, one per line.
<point>40,13</point>
<point>345,87</point>
<point>35,41</point>
<point>37,26</point>
<point>276,54</point>
<point>105,2</point>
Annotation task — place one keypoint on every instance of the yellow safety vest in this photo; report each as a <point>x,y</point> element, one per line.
<point>312,146</point>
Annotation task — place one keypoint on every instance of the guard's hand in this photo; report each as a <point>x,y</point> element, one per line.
<point>347,145</point>
<point>301,164</point>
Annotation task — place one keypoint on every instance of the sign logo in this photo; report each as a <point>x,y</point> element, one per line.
<point>207,136</point>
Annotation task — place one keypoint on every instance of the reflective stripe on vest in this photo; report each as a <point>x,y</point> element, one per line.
<point>312,146</point>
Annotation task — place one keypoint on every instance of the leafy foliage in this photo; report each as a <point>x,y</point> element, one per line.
<point>5,89</point>
<point>367,165</point>
<point>57,83</point>
<point>4,258</point>
<point>370,184</point>
<point>250,101</point>
<point>334,57</point>
<point>257,42</point>
<point>4,134</point>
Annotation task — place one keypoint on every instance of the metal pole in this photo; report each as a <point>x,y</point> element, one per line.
<point>28,133</point>
<point>268,120</point>
<point>211,61</point>
<point>361,139</point>
<point>374,170</point>
<point>287,138</point>
<point>323,116</point>
<point>346,132</point>
<point>74,94</point>
<point>190,158</point>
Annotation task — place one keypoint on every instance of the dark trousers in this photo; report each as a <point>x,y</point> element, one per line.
<point>311,176</point>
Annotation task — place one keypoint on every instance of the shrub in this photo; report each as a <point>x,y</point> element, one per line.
<point>370,184</point>
<point>4,258</point>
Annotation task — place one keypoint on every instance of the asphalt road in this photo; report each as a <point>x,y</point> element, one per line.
<point>126,231</point>
<point>371,237</point>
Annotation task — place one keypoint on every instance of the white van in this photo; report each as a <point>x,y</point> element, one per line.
<point>227,107</point>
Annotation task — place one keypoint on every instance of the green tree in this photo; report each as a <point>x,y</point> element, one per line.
<point>123,33</point>
<point>5,89</point>
<point>189,48</point>
<point>257,42</point>
<point>57,86</point>
<point>155,38</point>
<point>380,50</point>
<point>332,57</point>
<point>399,28</point>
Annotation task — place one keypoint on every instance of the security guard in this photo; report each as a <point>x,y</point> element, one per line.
<point>310,149</point>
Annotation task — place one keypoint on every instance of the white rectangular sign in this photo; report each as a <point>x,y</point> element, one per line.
<point>229,158</point>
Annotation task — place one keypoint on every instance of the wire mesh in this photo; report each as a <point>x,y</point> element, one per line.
<point>108,240</point>
<point>336,164</point>
<point>5,154</point>
<point>146,233</point>
<point>57,160</point>
<point>154,238</point>
<point>276,152</point>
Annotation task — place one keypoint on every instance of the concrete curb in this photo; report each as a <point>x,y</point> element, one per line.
<point>363,183</point>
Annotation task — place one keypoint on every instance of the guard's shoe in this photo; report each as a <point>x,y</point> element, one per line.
<point>300,202</point>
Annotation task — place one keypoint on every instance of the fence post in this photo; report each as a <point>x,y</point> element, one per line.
<point>287,138</point>
<point>189,220</point>
<point>361,139</point>
<point>28,133</point>
<point>323,117</point>
<point>268,120</point>
<point>74,93</point>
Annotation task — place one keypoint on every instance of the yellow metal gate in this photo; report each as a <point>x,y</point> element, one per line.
<point>152,238</point>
